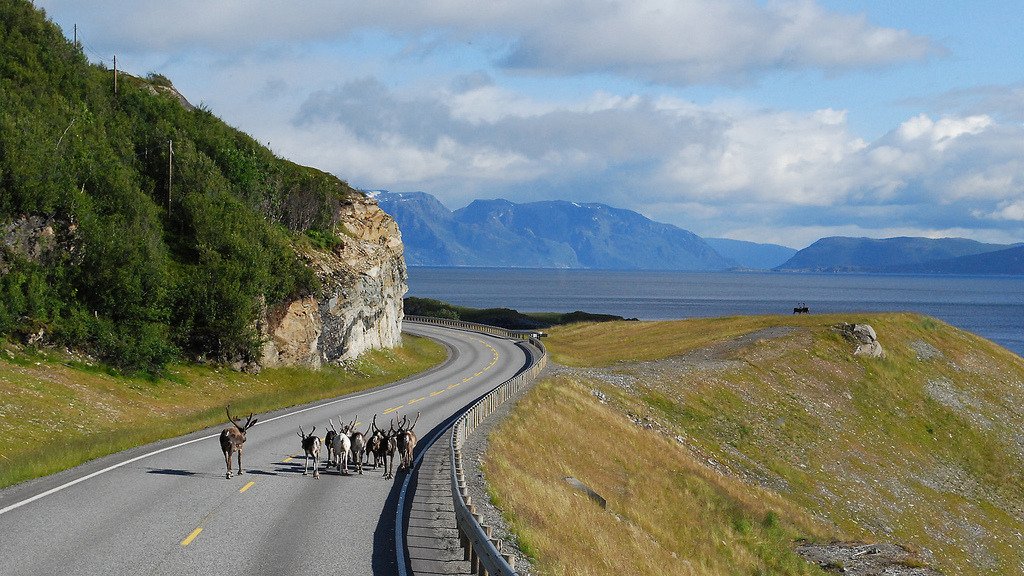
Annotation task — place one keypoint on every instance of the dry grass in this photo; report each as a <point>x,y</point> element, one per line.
<point>99,413</point>
<point>667,514</point>
<point>604,343</point>
<point>922,448</point>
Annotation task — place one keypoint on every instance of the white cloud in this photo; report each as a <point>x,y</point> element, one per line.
<point>1007,210</point>
<point>677,42</point>
<point>940,133</point>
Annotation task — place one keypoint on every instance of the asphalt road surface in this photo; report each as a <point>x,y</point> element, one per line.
<point>173,511</point>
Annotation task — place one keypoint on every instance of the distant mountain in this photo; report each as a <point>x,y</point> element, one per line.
<point>751,255</point>
<point>549,234</point>
<point>1008,261</point>
<point>841,254</point>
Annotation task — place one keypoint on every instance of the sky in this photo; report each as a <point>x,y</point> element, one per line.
<point>779,121</point>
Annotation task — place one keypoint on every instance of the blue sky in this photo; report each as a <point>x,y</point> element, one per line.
<point>776,121</point>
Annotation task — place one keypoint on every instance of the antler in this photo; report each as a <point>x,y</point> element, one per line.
<point>373,423</point>
<point>415,421</point>
<point>352,424</point>
<point>332,424</point>
<point>250,422</point>
<point>302,434</point>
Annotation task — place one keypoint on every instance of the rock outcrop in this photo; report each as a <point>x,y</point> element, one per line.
<point>863,335</point>
<point>359,307</point>
<point>37,239</point>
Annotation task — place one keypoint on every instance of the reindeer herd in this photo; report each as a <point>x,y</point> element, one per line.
<point>345,448</point>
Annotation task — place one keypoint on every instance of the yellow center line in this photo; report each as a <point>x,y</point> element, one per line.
<point>246,487</point>
<point>287,460</point>
<point>478,373</point>
<point>450,386</point>
<point>191,537</point>
<point>436,392</point>
<point>411,402</point>
<point>467,379</point>
<point>390,410</point>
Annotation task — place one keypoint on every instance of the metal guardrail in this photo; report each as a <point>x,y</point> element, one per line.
<point>473,327</point>
<point>482,550</point>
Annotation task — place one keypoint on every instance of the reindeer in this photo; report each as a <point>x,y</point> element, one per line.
<point>342,446</point>
<point>329,440</point>
<point>376,443</point>
<point>311,447</point>
<point>358,440</point>
<point>232,438</point>
<point>387,450</point>
<point>406,441</point>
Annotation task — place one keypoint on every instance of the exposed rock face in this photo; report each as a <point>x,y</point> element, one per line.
<point>863,335</point>
<point>37,239</point>
<point>360,305</point>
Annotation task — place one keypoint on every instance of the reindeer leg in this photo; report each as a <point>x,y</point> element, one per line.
<point>227,460</point>
<point>240,471</point>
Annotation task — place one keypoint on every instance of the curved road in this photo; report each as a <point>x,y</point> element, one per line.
<point>173,512</point>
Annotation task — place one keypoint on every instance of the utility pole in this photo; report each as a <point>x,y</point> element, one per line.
<point>170,172</point>
<point>115,74</point>
<point>76,34</point>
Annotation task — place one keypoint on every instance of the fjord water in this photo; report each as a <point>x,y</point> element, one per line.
<point>992,307</point>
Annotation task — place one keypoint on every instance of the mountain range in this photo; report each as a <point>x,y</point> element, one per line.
<point>560,234</point>
<point>905,255</point>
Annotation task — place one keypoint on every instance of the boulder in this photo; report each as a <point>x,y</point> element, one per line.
<point>864,337</point>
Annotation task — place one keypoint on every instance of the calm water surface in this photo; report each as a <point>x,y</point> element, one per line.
<point>992,307</point>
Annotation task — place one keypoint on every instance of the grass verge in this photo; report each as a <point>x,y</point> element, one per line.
<point>98,413</point>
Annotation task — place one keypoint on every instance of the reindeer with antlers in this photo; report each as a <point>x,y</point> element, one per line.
<point>311,447</point>
<point>358,440</point>
<point>232,438</point>
<point>406,441</point>
<point>329,439</point>
<point>387,447</point>
<point>376,442</point>
<point>342,446</point>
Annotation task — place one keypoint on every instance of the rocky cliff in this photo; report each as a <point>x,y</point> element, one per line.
<point>359,307</point>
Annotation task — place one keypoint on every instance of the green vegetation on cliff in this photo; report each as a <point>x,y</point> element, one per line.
<point>144,256</point>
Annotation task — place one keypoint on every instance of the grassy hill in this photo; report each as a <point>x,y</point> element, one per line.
<point>111,244</point>
<point>719,442</point>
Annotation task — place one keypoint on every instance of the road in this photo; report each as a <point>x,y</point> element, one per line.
<point>173,512</point>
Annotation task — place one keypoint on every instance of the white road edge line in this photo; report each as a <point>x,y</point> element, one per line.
<point>155,452</point>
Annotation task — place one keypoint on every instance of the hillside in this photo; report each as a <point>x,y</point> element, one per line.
<point>548,234</point>
<point>841,254</point>
<point>743,435</point>
<point>751,255</point>
<point>1008,261</point>
<point>141,230</point>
